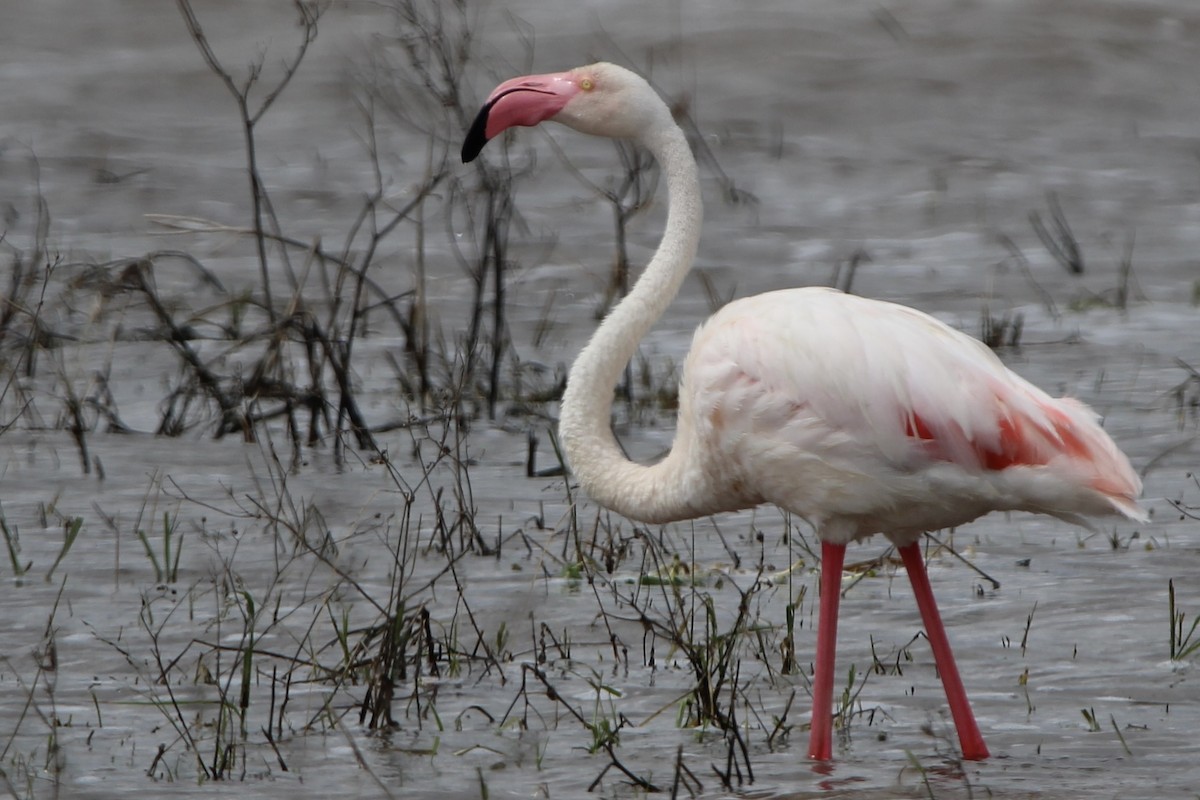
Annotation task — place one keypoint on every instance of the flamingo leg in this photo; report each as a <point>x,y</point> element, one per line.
<point>820,740</point>
<point>969,736</point>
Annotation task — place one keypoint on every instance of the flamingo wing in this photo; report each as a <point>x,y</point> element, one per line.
<point>833,406</point>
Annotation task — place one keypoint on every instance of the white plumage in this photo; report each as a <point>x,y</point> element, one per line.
<point>868,417</point>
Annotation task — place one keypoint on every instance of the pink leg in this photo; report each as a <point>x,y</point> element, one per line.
<point>820,740</point>
<point>969,737</point>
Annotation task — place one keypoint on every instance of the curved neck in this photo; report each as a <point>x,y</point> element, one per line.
<point>664,491</point>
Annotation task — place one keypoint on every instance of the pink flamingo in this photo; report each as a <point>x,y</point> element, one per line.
<point>860,416</point>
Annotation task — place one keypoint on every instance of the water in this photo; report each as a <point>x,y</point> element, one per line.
<point>920,132</point>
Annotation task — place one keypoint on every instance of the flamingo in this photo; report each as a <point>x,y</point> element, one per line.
<point>857,415</point>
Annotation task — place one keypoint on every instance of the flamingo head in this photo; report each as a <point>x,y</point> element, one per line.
<point>599,99</point>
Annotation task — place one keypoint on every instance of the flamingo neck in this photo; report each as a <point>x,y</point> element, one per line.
<point>672,488</point>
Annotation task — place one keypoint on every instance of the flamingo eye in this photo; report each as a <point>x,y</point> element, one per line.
<point>586,84</point>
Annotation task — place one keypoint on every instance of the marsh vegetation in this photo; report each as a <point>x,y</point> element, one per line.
<point>282,503</point>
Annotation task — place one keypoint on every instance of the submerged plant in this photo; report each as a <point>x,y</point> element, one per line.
<point>1182,645</point>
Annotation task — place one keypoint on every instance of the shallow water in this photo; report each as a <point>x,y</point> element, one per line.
<point>917,131</point>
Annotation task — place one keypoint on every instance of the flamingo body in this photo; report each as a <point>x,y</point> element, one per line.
<point>867,417</point>
<point>860,416</point>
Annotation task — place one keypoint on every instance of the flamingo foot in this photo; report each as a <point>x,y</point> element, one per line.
<point>820,740</point>
<point>969,737</point>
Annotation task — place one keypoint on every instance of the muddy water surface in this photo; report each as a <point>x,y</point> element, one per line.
<point>920,132</point>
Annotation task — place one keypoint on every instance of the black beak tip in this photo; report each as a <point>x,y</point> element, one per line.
<point>476,136</point>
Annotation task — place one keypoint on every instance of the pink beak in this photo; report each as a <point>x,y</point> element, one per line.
<point>523,101</point>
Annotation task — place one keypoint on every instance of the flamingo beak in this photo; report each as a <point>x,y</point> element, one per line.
<point>524,101</point>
